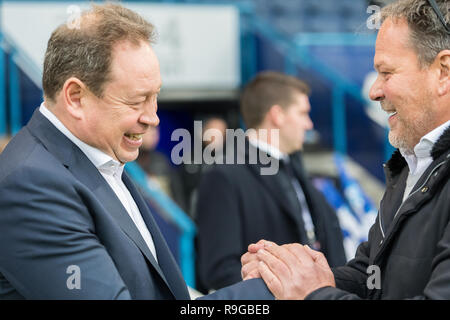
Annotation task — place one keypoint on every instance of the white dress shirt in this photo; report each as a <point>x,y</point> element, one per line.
<point>112,171</point>
<point>421,158</point>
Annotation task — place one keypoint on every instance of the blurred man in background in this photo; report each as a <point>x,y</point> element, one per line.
<point>237,205</point>
<point>191,173</point>
<point>407,255</point>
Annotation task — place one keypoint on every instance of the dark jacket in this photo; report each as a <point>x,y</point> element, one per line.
<point>409,242</point>
<point>238,206</point>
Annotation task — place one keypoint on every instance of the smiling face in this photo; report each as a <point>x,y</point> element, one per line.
<point>403,87</point>
<point>115,122</point>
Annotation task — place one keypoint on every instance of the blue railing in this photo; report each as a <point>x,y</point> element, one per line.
<point>177,216</point>
<point>15,105</point>
<point>3,121</point>
<point>10,88</point>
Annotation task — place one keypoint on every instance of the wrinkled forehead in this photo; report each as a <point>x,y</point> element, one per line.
<point>393,42</point>
<point>135,65</point>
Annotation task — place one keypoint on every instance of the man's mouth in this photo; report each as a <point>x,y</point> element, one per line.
<point>391,113</point>
<point>134,136</point>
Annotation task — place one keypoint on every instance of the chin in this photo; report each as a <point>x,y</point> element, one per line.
<point>129,157</point>
<point>298,148</point>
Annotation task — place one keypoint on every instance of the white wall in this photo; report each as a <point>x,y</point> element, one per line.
<point>198,45</point>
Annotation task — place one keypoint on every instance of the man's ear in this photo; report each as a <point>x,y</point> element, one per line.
<point>73,90</point>
<point>276,115</point>
<point>443,60</point>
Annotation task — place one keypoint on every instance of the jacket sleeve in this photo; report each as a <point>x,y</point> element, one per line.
<point>219,242</point>
<point>438,286</point>
<point>49,248</point>
<point>253,289</point>
<point>351,279</point>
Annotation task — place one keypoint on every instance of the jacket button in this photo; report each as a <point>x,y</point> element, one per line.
<point>424,189</point>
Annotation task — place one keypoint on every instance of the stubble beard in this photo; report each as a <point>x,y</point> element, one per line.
<point>410,131</point>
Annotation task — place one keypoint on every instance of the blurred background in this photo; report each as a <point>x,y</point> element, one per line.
<point>208,51</point>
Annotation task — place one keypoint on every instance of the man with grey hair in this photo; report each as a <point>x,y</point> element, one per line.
<point>407,255</point>
<point>72,223</point>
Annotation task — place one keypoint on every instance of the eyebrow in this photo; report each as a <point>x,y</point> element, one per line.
<point>379,65</point>
<point>146,92</point>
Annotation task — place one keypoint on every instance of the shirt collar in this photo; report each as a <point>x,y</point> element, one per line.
<point>269,149</point>
<point>103,162</point>
<point>112,168</point>
<point>423,149</point>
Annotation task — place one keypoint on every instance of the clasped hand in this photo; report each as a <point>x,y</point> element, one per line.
<point>290,271</point>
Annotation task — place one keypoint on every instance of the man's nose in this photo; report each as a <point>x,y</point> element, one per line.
<point>376,92</point>
<point>149,116</point>
<point>151,120</point>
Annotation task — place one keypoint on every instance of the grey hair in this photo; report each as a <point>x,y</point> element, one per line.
<point>428,36</point>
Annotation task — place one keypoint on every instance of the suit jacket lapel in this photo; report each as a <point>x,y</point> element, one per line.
<point>115,208</point>
<point>168,266</point>
<point>276,189</point>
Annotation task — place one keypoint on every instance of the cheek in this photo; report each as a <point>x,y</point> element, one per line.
<point>109,129</point>
<point>129,123</point>
<point>389,91</point>
<point>302,124</point>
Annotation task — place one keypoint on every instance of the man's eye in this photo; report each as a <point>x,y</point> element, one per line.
<point>135,103</point>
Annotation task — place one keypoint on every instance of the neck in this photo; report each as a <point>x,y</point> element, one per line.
<point>270,136</point>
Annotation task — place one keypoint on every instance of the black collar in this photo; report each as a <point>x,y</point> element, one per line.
<point>397,162</point>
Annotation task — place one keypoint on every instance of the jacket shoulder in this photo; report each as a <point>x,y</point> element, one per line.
<point>26,159</point>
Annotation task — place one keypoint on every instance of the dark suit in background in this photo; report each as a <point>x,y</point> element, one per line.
<point>238,206</point>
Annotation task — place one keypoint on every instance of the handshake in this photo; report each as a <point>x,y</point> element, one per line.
<point>290,271</point>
